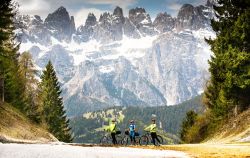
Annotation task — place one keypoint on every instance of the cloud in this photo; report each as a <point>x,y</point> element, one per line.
<point>173,6</point>
<point>40,7</point>
<point>44,7</point>
<point>82,14</point>
<point>113,2</point>
<point>124,4</point>
<point>81,8</point>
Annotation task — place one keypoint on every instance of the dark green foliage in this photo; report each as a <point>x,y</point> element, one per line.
<point>16,79</point>
<point>230,65</point>
<point>18,85</point>
<point>11,87</point>
<point>7,14</point>
<point>170,117</point>
<point>228,90</point>
<point>52,104</point>
<point>187,123</point>
<point>85,130</point>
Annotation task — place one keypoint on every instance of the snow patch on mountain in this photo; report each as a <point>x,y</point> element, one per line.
<point>142,43</point>
<point>28,45</point>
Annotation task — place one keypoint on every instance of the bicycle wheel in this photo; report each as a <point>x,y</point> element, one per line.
<point>109,140</point>
<point>119,140</point>
<point>125,141</point>
<point>104,140</point>
<point>144,140</point>
<point>160,139</point>
<point>137,140</point>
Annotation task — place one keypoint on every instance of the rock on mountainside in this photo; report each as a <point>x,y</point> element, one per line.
<point>60,24</point>
<point>84,33</point>
<point>190,17</point>
<point>164,22</point>
<point>124,61</point>
<point>142,21</point>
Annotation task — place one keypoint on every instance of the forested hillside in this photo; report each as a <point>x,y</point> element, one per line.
<point>89,127</point>
<point>23,97</point>
<point>228,91</point>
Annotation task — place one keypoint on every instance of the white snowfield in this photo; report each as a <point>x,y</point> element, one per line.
<point>68,151</point>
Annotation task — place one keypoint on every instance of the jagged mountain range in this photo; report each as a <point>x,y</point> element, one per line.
<point>123,61</point>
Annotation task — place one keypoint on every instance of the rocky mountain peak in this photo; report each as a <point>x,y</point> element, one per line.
<point>118,17</point>
<point>164,22</point>
<point>186,10</point>
<point>61,9</point>
<point>91,20</point>
<point>60,23</point>
<point>38,18</point>
<point>190,17</point>
<point>210,3</point>
<point>61,13</point>
<point>141,19</point>
<point>85,33</point>
<point>118,12</point>
<point>72,25</point>
<point>139,15</point>
<point>137,10</point>
<point>105,17</point>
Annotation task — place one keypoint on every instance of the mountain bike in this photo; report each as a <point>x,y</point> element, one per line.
<point>146,139</point>
<point>107,139</point>
<point>126,139</point>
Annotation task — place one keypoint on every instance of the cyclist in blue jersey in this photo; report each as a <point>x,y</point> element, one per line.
<point>132,131</point>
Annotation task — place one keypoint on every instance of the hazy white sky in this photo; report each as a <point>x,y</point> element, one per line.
<point>80,8</point>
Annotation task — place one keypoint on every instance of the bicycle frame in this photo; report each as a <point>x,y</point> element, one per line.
<point>149,138</point>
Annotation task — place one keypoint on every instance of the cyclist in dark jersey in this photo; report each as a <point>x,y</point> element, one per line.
<point>132,131</point>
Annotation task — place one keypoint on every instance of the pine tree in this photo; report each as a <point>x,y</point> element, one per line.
<point>187,123</point>
<point>53,112</point>
<point>230,65</point>
<point>11,87</point>
<point>27,73</point>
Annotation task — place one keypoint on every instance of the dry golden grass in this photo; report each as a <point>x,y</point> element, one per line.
<point>208,150</point>
<point>213,150</point>
<point>14,126</point>
<point>198,150</point>
<point>234,130</point>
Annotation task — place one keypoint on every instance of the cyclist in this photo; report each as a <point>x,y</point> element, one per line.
<point>152,129</point>
<point>132,131</point>
<point>112,129</point>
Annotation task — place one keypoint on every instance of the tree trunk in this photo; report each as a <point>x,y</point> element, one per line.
<point>235,110</point>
